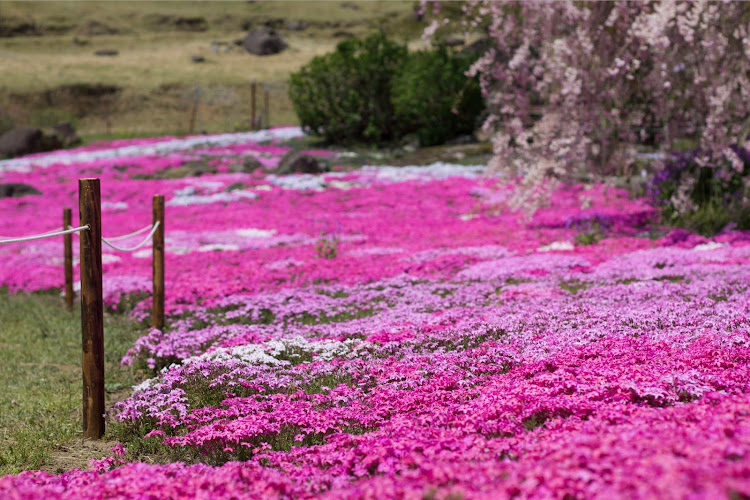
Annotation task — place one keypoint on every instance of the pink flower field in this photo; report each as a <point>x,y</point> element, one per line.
<point>385,332</point>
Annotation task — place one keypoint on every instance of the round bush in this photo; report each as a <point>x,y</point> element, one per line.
<point>345,96</point>
<point>433,98</point>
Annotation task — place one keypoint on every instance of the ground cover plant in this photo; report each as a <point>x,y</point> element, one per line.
<point>388,332</point>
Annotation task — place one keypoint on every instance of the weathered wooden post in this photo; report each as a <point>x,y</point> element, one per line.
<point>266,107</point>
<point>195,115</point>
<point>158,264</point>
<point>68,258</point>
<point>92,315</point>
<point>253,123</point>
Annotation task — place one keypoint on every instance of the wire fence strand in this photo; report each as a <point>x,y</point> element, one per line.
<point>45,235</point>
<point>139,245</point>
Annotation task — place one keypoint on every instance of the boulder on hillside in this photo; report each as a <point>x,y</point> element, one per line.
<point>264,42</point>
<point>299,162</point>
<point>21,141</point>
<point>296,25</point>
<point>17,189</point>
<point>66,134</point>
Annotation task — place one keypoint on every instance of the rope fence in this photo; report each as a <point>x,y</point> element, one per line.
<point>149,236</point>
<point>139,245</point>
<point>92,303</point>
<point>58,232</point>
<point>130,235</point>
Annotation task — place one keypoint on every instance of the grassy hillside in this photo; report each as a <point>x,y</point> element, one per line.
<point>51,72</point>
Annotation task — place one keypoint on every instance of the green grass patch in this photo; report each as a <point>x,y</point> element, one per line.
<point>671,278</point>
<point>574,286</point>
<point>40,371</point>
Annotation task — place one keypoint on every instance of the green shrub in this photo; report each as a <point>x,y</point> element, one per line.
<point>345,96</point>
<point>374,91</point>
<point>434,99</point>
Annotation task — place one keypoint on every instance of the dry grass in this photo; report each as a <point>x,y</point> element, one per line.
<point>154,68</point>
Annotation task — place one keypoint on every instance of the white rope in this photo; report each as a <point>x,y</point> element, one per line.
<point>47,232</point>
<point>139,245</point>
<point>45,235</point>
<point>126,236</point>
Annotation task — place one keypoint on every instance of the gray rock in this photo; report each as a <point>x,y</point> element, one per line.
<point>66,133</point>
<point>295,25</point>
<point>462,139</point>
<point>197,59</point>
<point>21,141</point>
<point>17,189</point>
<point>453,41</point>
<point>191,24</point>
<point>106,52</point>
<point>264,42</point>
<point>249,164</point>
<point>299,162</point>
<point>236,186</point>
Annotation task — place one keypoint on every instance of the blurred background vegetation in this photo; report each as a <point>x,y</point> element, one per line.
<point>51,71</point>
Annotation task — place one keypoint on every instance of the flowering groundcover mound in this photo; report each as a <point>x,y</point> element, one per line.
<point>387,333</point>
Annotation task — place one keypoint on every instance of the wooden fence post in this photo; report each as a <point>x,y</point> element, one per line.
<point>158,264</point>
<point>266,107</point>
<point>253,124</point>
<point>68,254</point>
<point>92,324</point>
<point>195,115</point>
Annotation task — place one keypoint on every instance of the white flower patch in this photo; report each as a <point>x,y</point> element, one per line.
<point>269,352</point>
<point>108,258</point>
<point>325,349</point>
<point>114,205</point>
<point>556,245</point>
<point>483,252</point>
<point>146,384</point>
<point>154,149</point>
<point>187,196</point>
<point>252,354</point>
<point>363,252</point>
<point>218,247</point>
<point>711,245</point>
<point>283,264</point>
<point>341,185</point>
<point>252,232</point>
<point>437,170</point>
<point>304,182</point>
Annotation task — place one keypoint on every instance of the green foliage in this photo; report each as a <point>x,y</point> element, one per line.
<point>327,246</point>
<point>590,235</point>
<point>345,96</point>
<point>49,117</point>
<point>716,201</point>
<point>372,90</point>
<point>433,98</point>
